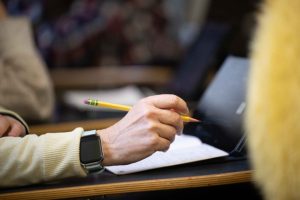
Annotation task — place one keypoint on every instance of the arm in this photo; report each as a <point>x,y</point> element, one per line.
<point>34,159</point>
<point>53,156</point>
<point>25,85</point>
<point>150,126</point>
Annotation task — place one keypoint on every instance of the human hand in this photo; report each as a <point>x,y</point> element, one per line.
<point>9,126</point>
<point>150,126</point>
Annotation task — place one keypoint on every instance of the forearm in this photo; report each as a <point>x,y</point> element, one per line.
<point>24,81</point>
<point>34,159</point>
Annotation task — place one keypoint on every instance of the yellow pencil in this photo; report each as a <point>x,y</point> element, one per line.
<point>93,102</point>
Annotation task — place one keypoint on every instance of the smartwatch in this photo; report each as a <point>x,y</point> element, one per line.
<point>91,154</point>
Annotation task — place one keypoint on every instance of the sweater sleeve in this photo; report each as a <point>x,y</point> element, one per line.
<point>35,159</point>
<point>25,86</point>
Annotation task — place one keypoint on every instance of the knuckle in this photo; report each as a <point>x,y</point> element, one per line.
<point>142,101</point>
<point>148,112</point>
<point>186,107</point>
<point>151,126</point>
<point>153,140</point>
<point>166,147</point>
<point>171,132</point>
<point>174,99</point>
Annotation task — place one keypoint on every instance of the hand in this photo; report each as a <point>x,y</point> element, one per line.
<point>150,126</point>
<point>9,126</point>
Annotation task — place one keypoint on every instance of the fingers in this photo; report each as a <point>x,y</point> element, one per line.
<point>168,101</point>
<point>17,129</point>
<point>163,144</point>
<point>163,134</point>
<point>171,118</point>
<point>4,125</point>
<point>165,131</point>
<point>9,126</point>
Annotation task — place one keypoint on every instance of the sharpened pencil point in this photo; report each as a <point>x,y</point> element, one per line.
<point>194,120</point>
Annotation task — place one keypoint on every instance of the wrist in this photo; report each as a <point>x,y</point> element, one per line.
<point>106,147</point>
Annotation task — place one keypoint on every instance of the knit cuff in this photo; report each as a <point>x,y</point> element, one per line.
<point>61,155</point>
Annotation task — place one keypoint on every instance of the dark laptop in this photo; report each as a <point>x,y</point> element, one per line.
<point>221,109</point>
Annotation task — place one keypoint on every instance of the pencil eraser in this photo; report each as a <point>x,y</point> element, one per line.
<point>86,101</point>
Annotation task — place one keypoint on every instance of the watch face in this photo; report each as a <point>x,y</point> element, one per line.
<point>90,149</point>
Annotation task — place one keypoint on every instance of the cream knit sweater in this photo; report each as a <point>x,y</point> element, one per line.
<point>25,86</point>
<point>34,159</point>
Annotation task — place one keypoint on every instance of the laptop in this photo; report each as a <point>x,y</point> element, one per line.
<point>206,52</point>
<point>221,109</point>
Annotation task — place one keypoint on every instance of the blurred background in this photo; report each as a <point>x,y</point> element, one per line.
<point>78,33</point>
<point>134,48</point>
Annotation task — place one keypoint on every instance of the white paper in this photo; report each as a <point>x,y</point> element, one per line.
<point>184,149</point>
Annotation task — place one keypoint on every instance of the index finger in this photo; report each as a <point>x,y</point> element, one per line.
<point>168,101</point>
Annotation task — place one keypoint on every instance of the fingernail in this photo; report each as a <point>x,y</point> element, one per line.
<point>179,132</point>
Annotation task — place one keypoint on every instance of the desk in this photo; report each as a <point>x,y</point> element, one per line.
<point>69,126</point>
<point>107,77</point>
<point>199,174</point>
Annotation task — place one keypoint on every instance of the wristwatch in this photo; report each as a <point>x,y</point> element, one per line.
<point>91,154</point>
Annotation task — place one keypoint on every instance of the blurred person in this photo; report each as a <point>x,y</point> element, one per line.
<point>25,85</point>
<point>273,111</point>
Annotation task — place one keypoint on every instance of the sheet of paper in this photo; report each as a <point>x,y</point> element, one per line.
<point>127,95</point>
<point>184,149</point>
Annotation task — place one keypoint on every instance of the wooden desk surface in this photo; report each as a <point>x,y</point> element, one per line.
<point>68,126</point>
<point>199,174</point>
<point>95,77</point>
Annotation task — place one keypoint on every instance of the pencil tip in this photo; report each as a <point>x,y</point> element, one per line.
<point>194,120</point>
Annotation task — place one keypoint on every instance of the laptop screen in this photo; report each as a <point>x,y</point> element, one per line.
<point>221,107</point>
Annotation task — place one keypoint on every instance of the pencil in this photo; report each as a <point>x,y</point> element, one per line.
<point>114,106</point>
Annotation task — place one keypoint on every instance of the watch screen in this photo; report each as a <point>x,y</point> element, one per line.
<point>90,149</point>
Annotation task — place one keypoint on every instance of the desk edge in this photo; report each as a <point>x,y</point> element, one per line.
<point>133,186</point>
